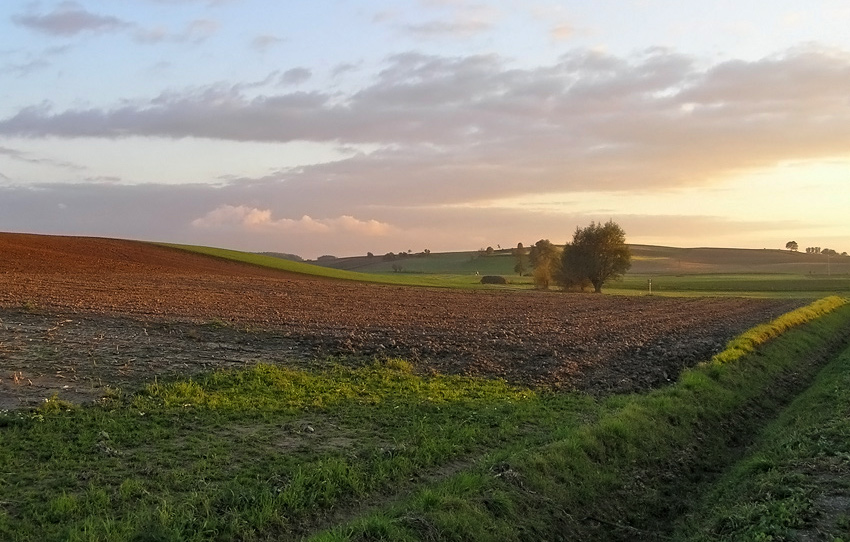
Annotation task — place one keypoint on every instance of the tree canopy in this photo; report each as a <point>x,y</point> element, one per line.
<point>543,257</point>
<point>597,254</point>
<point>519,258</point>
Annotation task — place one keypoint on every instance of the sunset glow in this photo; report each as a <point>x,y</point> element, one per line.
<point>340,128</point>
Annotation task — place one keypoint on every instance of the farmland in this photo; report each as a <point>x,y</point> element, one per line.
<point>673,271</point>
<point>222,400</point>
<point>141,309</point>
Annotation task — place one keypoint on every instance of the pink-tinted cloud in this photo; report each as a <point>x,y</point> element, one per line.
<point>242,217</point>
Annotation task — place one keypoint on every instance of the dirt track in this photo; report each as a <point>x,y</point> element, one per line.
<point>80,314</point>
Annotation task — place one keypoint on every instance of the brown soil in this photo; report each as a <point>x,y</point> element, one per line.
<point>81,314</point>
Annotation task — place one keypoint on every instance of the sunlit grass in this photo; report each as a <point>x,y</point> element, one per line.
<point>255,453</point>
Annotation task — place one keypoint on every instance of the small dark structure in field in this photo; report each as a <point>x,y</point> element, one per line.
<point>493,279</point>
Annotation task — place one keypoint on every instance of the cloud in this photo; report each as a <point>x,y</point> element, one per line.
<point>562,31</point>
<point>27,62</point>
<point>456,28</point>
<point>265,42</point>
<point>70,19</point>
<point>207,2</point>
<point>195,31</point>
<point>295,76</point>
<point>455,20</point>
<point>21,156</point>
<point>475,127</point>
<point>343,68</point>
<point>228,217</point>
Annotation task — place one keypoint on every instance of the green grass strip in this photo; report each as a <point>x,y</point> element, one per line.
<point>751,339</point>
<point>796,483</point>
<point>632,472</point>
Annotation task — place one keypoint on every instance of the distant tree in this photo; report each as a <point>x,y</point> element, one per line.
<point>543,257</point>
<point>427,251</point>
<point>597,254</point>
<point>489,251</point>
<point>519,258</point>
<point>326,258</point>
<point>829,252</point>
<point>388,257</point>
<point>792,246</point>
<point>370,255</point>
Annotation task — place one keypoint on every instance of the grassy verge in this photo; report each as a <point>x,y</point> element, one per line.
<point>636,468</point>
<point>795,485</point>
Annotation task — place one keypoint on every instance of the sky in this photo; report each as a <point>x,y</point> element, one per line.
<point>337,127</point>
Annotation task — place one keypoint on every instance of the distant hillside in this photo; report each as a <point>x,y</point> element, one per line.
<point>646,259</point>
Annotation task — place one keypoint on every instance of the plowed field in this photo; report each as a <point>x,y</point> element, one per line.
<point>81,314</point>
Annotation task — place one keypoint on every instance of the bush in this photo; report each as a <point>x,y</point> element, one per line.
<point>493,279</point>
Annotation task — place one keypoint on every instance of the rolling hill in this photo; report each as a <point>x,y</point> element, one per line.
<point>646,259</point>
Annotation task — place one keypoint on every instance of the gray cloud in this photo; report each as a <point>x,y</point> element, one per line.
<point>195,31</point>
<point>470,128</point>
<point>69,19</point>
<point>265,42</point>
<point>39,160</point>
<point>436,29</point>
<point>295,76</point>
<point>343,68</point>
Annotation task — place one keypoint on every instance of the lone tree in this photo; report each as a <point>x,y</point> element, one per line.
<point>543,257</point>
<point>597,254</point>
<point>792,246</point>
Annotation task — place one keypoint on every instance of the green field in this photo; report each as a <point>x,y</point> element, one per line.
<point>377,452</point>
<point>736,272</point>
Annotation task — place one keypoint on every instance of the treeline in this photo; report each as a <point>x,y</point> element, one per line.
<point>597,254</point>
<point>793,246</point>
